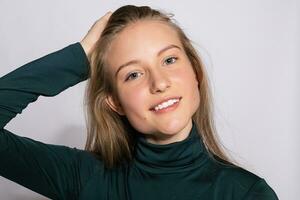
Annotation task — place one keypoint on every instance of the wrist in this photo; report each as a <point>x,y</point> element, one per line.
<point>85,47</point>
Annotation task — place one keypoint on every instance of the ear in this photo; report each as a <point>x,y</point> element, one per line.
<point>114,105</point>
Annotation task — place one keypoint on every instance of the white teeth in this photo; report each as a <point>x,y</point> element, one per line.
<point>166,104</point>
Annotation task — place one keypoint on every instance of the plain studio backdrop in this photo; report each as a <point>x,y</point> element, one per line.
<point>251,51</point>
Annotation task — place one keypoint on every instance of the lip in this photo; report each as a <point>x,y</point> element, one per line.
<point>165,99</point>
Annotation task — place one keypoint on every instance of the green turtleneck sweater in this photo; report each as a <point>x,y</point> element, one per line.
<point>177,171</point>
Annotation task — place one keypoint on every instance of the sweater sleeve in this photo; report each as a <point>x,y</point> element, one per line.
<point>261,191</point>
<point>50,170</point>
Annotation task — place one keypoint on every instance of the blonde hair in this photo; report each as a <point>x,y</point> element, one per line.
<point>110,135</point>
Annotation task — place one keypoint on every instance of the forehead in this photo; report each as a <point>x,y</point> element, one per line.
<point>140,40</point>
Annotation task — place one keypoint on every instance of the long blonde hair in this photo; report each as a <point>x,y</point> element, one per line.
<point>110,135</point>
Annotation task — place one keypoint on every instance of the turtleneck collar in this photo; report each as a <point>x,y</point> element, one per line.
<point>184,155</point>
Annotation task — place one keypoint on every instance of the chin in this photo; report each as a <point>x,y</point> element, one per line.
<point>173,127</point>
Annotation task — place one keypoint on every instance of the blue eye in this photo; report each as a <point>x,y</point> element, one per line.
<point>132,75</point>
<point>135,75</point>
<point>171,60</point>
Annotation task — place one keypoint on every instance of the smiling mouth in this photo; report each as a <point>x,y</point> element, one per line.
<point>166,105</point>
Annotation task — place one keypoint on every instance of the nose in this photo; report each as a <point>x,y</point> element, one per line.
<point>159,82</point>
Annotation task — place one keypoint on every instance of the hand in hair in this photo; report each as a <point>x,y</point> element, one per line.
<point>94,33</point>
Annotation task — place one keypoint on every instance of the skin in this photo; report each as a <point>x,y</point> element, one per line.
<point>89,40</point>
<point>154,78</point>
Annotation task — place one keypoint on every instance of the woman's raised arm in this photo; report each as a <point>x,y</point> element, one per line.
<point>35,165</point>
<point>51,170</point>
<point>46,76</point>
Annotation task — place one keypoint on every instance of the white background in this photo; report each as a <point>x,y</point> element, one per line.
<point>251,49</point>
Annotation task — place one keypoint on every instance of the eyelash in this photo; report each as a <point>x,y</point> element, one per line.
<point>130,75</point>
<point>176,58</point>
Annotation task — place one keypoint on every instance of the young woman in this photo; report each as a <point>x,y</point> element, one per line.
<point>150,127</point>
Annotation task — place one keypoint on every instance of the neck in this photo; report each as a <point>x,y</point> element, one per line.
<point>184,155</point>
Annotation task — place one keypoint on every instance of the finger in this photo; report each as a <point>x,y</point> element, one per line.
<point>106,16</point>
<point>102,20</point>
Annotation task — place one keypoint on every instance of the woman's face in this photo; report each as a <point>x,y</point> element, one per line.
<point>149,67</point>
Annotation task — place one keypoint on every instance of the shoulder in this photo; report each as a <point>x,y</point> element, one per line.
<point>240,183</point>
<point>88,162</point>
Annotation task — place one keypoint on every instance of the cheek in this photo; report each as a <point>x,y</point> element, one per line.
<point>133,100</point>
<point>189,85</point>
<point>186,77</point>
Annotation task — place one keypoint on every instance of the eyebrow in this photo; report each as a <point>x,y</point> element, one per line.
<point>137,61</point>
